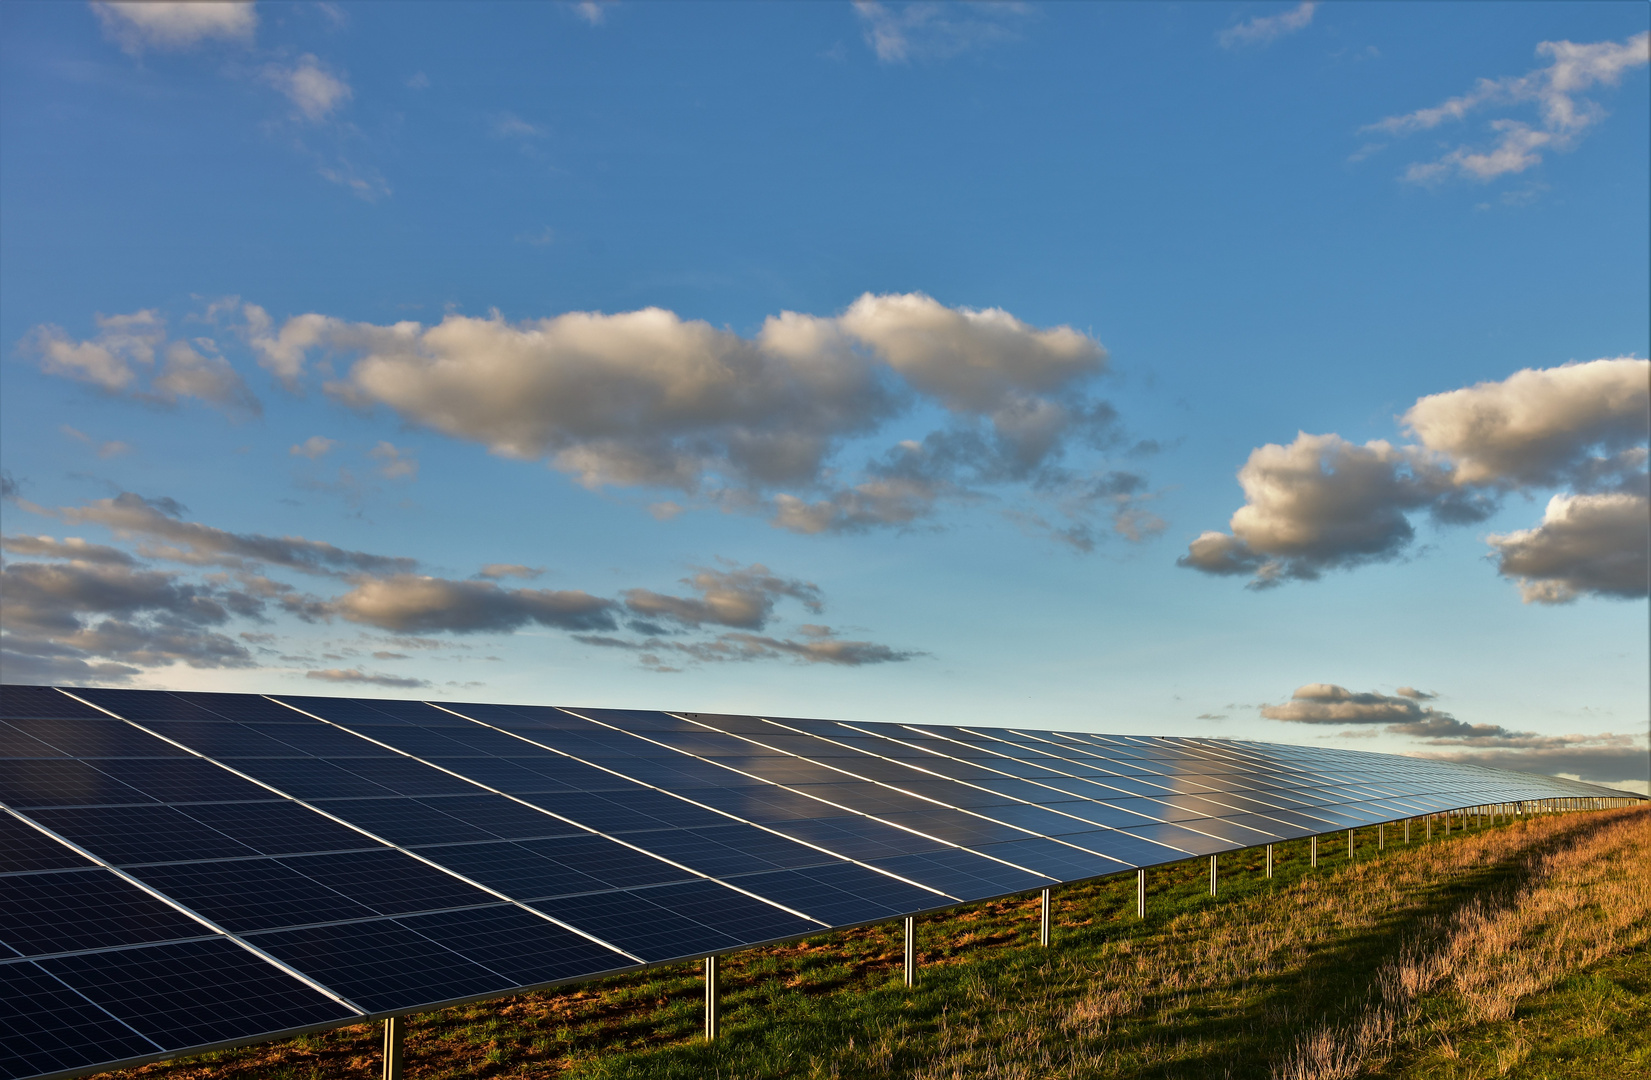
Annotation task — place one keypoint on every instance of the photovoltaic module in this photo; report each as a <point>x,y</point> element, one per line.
<point>185,871</point>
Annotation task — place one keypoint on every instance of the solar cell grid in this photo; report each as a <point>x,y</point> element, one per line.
<point>251,894</point>
<point>52,1028</point>
<point>28,702</point>
<point>100,738</point>
<point>25,849</point>
<point>523,948</point>
<point>279,828</point>
<point>389,882</point>
<point>62,782</point>
<point>139,834</point>
<point>381,966</point>
<point>17,743</point>
<point>72,910</point>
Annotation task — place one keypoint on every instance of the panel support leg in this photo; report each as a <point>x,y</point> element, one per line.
<point>1381,837</point>
<point>1313,851</point>
<point>711,1017</point>
<point>1430,826</point>
<point>1043,920</point>
<point>1212,875</point>
<point>1269,860</point>
<point>395,1027</point>
<point>1407,830</point>
<point>1349,845</point>
<point>911,950</point>
<point>1140,894</point>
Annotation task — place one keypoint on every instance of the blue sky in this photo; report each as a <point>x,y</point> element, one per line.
<point>877,361</point>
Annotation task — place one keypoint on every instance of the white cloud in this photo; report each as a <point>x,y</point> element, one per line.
<point>1539,427</point>
<point>315,447</point>
<point>159,523</point>
<point>1265,29</point>
<point>174,26</point>
<point>1563,117</point>
<point>393,463</point>
<point>592,11</point>
<point>1597,545</point>
<point>121,360</point>
<point>1323,503</point>
<point>1319,503</point>
<point>742,597</point>
<point>283,354</point>
<point>649,399</point>
<point>72,547</point>
<point>356,675</point>
<point>900,32</point>
<point>317,92</point>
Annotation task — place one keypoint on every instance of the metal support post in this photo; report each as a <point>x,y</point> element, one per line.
<point>1381,837</point>
<point>710,999</point>
<point>911,951</point>
<point>1430,826</point>
<point>1043,925</point>
<point>1313,851</point>
<point>1407,830</point>
<point>1140,894</point>
<point>1349,845</point>
<point>1212,875</point>
<point>395,1027</point>
<point>1447,824</point>
<point>1269,860</point>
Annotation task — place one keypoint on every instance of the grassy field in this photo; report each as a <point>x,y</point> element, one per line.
<point>1510,950</point>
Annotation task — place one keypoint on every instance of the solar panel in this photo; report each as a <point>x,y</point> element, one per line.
<point>186,871</point>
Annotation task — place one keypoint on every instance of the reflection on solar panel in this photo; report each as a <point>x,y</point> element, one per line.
<point>186,871</point>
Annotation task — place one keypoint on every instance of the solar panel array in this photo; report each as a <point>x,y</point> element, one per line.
<point>180,871</point>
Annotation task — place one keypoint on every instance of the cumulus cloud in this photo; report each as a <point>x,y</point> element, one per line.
<point>1563,116</point>
<point>356,675</point>
<point>816,648</point>
<point>72,547</point>
<point>122,361</point>
<point>159,524</point>
<point>315,447</point>
<point>418,604</point>
<point>743,597</point>
<point>1576,424</point>
<point>1265,29</point>
<point>315,91</point>
<point>1323,503</point>
<point>107,620</point>
<point>394,463</point>
<point>745,423</point>
<point>1598,545</point>
<point>175,26</point>
<point>901,32</point>
<point>1318,504</point>
<point>96,613</point>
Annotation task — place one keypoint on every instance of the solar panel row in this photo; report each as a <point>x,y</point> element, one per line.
<point>185,870</point>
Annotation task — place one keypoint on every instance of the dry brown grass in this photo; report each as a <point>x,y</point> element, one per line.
<point>1584,901</point>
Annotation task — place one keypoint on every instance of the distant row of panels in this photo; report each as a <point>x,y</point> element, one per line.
<point>184,870</point>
